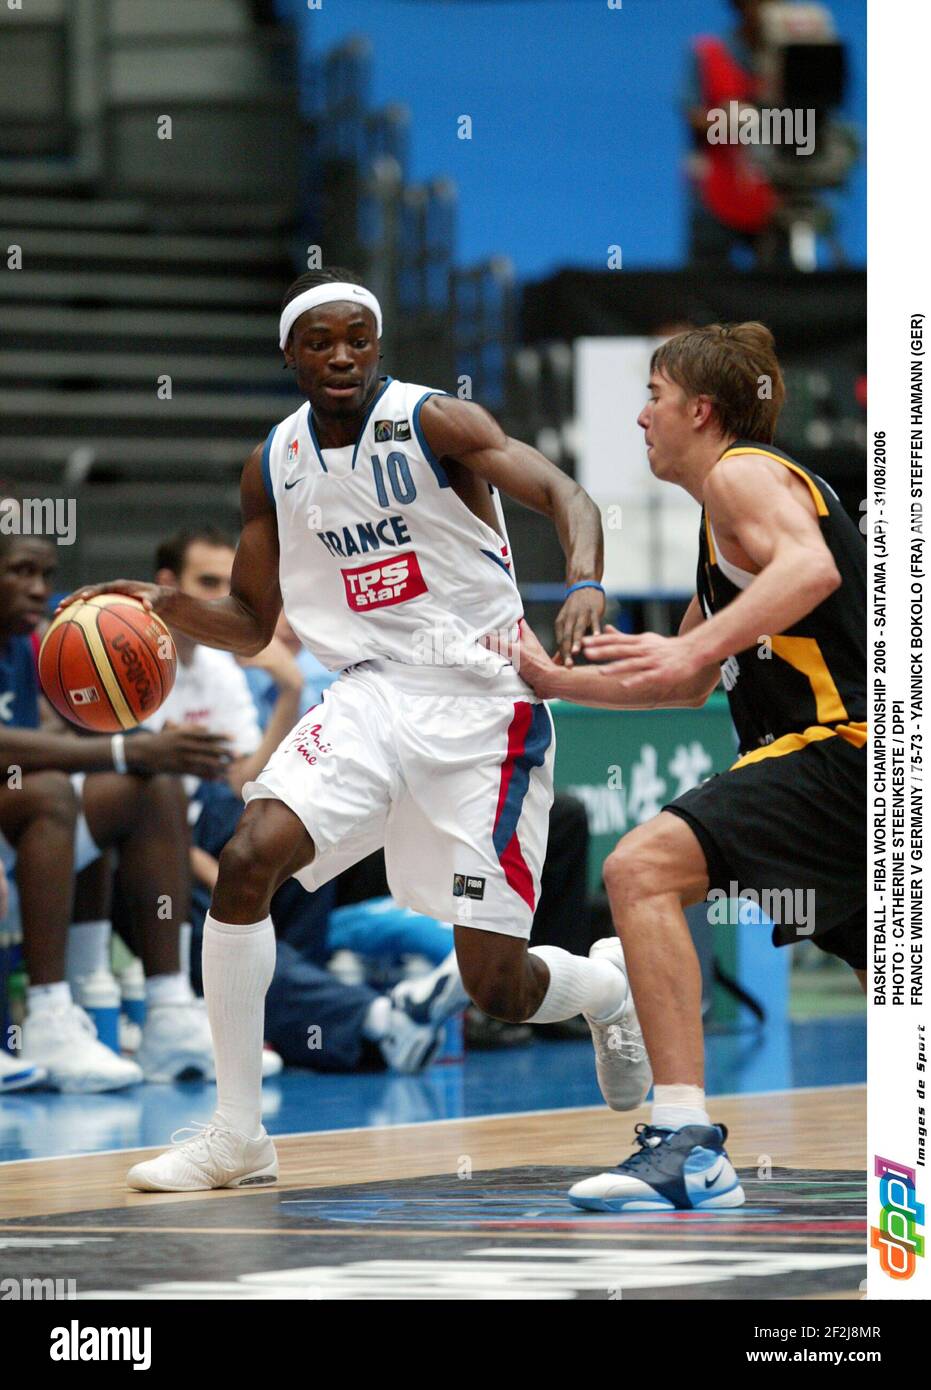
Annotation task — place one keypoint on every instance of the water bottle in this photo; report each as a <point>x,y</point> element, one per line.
<point>132,991</point>
<point>99,996</point>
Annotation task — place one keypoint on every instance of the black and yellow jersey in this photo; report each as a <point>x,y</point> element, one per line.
<point>812,677</point>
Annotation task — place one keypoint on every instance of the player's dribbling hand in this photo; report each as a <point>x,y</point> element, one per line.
<point>149,595</point>
<point>582,612</point>
<point>185,749</point>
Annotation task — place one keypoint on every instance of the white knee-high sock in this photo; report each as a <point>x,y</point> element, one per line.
<point>238,964</point>
<point>578,986</point>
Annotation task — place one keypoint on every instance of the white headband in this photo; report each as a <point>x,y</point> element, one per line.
<point>326,294</point>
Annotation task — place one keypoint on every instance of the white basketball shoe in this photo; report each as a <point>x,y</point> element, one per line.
<point>209,1157</point>
<point>176,1043</point>
<point>63,1040</point>
<point>16,1073</point>
<point>621,1061</point>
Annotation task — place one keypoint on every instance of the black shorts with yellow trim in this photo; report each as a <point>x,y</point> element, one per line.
<point>788,821</point>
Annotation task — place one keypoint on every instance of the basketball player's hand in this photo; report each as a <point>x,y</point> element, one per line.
<point>149,595</point>
<point>582,612</point>
<point>648,665</point>
<point>603,646</point>
<point>187,749</point>
<point>534,664</point>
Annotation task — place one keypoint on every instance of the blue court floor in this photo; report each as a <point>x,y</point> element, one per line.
<point>546,1075</point>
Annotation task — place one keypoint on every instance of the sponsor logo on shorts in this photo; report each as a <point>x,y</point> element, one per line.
<point>382,431</point>
<point>402,429</point>
<point>309,744</point>
<point>385,584</point>
<point>468,886</point>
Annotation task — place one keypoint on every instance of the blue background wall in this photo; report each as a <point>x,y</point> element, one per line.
<point>577,134</point>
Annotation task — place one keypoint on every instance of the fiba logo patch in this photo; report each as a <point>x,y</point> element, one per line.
<point>468,886</point>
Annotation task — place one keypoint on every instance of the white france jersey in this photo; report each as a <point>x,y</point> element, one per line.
<point>380,559</point>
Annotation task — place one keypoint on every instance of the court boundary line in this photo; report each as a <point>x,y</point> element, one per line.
<point>453,1120</point>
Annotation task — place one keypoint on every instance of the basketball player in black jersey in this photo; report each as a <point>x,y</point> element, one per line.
<point>780,617</point>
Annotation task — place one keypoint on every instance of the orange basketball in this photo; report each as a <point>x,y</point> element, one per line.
<point>107,664</point>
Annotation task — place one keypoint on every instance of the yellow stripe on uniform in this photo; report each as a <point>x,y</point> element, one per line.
<point>804,654</point>
<point>820,505</point>
<point>854,734</point>
<point>712,556</point>
<point>791,743</point>
<point>86,619</point>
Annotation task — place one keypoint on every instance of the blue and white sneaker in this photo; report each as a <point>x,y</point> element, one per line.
<point>673,1170</point>
<point>429,1000</point>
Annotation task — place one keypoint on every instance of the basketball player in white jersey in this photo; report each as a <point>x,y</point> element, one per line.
<point>373,513</point>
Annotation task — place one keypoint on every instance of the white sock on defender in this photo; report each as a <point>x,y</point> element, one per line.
<point>87,950</point>
<point>238,964</point>
<point>578,986</point>
<point>675,1106</point>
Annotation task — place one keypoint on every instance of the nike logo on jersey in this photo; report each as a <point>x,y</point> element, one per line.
<point>289,486</point>
<point>366,535</point>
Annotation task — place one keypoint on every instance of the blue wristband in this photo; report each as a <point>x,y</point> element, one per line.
<point>584,584</point>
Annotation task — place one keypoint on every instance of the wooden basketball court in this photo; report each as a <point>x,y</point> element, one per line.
<point>463,1208</point>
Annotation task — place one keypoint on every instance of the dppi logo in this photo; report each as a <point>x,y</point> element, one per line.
<point>896,1236</point>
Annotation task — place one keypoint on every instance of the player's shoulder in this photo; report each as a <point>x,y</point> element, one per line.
<point>290,420</point>
<point>738,474</point>
<point>414,393</point>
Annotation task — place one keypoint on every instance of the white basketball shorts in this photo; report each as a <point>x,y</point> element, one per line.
<point>456,787</point>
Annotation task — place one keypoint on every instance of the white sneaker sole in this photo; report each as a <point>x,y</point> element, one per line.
<point>21,1081</point>
<point>258,1177</point>
<point>733,1197</point>
<point>90,1085</point>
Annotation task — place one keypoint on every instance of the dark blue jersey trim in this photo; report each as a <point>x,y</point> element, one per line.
<point>314,440</point>
<point>266,465</point>
<point>498,561</point>
<point>368,416</point>
<point>439,471</point>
